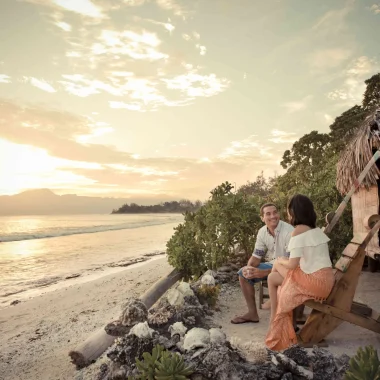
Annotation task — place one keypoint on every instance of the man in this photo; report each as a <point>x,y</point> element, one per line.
<point>271,242</point>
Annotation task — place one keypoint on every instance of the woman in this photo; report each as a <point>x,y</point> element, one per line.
<point>307,274</point>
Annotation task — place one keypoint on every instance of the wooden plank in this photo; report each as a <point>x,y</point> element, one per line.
<point>350,250</point>
<point>360,309</point>
<point>375,315</point>
<point>358,320</point>
<point>343,263</point>
<point>358,237</point>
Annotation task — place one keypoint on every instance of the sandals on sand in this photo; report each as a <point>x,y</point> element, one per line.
<point>241,320</point>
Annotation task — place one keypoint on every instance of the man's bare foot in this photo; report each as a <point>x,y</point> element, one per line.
<point>246,318</point>
<point>266,305</point>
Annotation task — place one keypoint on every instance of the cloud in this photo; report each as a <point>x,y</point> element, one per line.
<point>122,105</point>
<point>202,49</point>
<point>85,8</point>
<point>64,26</point>
<point>297,106</point>
<point>282,137</point>
<point>245,148</point>
<point>173,6</point>
<point>166,25</point>
<point>324,59</point>
<point>375,8</point>
<point>139,46</point>
<point>130,64</point>
<point>329,119</point>
<point>334,21</point>
<point>41,84</point>
<point>5,78</point>
<point>62,140</point>
<point>194,84</point>
<point>30,117</point>
<point>353,86</point>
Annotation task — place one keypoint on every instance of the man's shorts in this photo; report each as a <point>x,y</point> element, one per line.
<point>253,281</point>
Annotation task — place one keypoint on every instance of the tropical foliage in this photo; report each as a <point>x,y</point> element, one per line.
<point>207,237</point>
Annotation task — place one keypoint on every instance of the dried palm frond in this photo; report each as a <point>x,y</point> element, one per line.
<point>357,155</point>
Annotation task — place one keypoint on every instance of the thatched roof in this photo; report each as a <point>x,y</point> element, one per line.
<point>358,153</point>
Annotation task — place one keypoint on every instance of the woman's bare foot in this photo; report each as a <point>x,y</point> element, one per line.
<point>266,305</point>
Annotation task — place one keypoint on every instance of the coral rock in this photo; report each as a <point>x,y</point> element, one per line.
<point>217,336</point>
<point>133,312</point>
<point>185,289</point>
<point>208,280</point>
<point>142,330</point>
<point>196,338</point>
<point>177,328</point>
<point>175,297</point>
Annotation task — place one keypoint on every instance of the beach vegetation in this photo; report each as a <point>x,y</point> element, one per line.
<point>161,365</point>
<point>365,365</point>
<point>230,217</point>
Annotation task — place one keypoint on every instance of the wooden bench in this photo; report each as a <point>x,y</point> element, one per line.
<point>340,305</point>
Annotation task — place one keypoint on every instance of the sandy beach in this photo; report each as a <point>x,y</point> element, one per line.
<point>37,334</point>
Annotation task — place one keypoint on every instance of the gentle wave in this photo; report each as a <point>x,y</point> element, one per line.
<point>50,280</point>
<point>58,232</point>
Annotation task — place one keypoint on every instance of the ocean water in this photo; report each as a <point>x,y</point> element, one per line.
<point>41,253</point>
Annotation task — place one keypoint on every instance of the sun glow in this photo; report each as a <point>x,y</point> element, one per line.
<point>25,167</point>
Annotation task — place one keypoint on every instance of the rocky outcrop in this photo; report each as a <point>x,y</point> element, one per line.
<point>185,328</point>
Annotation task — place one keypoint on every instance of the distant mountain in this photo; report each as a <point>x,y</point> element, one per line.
<point>45,202</point>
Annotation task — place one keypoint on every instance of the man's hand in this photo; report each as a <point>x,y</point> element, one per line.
<point>252,272</point>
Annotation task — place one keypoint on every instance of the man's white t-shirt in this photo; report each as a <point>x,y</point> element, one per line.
<point>269,247</point>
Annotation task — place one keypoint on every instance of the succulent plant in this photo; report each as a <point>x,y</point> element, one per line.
<point>365,365</point>
<point>161,365</point>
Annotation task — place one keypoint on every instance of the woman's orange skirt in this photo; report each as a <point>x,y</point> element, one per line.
<point>297,288</point>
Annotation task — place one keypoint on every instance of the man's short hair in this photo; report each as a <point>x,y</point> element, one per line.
<point>266,205</point>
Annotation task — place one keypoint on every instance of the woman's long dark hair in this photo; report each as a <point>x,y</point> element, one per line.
<point>301,211</point>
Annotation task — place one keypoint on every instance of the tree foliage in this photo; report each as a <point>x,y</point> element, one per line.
<point>180,207</point>
<point>206,238</point>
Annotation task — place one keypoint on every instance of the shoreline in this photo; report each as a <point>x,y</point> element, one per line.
<point>38,334</point>
<point>11,299</point>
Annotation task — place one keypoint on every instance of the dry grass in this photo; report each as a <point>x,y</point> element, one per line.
<point>357,155</point>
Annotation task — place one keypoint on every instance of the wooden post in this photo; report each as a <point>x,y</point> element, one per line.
<point>94,346</point>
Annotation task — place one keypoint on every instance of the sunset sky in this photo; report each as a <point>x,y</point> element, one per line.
<point>172,97</point>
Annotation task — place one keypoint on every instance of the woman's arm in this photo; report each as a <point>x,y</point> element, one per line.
<point>292,263</point>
